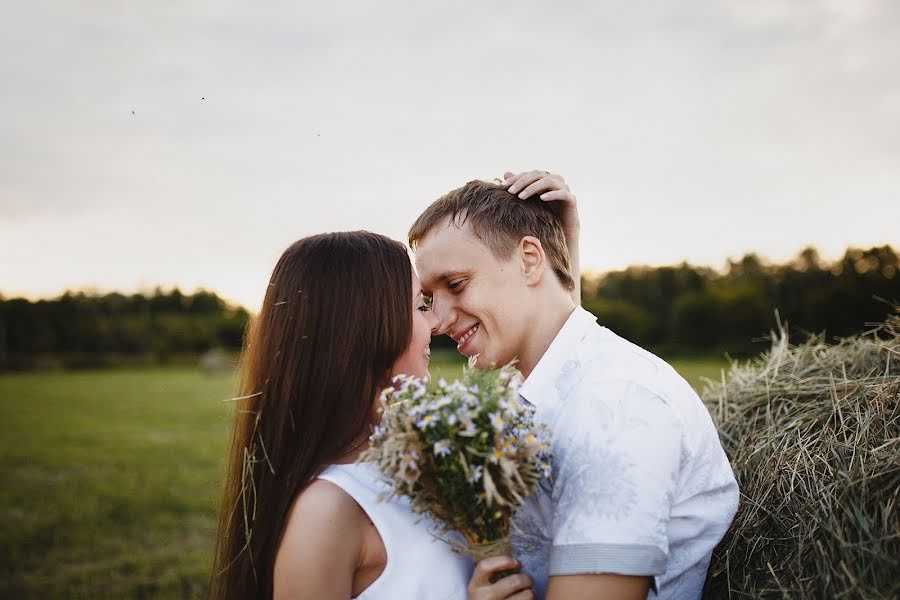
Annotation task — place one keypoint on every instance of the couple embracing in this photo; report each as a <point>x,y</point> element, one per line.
<point>641,490</point>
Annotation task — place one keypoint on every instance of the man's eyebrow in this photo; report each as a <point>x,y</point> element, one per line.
<point>449,275</point>
<point>443,278</point>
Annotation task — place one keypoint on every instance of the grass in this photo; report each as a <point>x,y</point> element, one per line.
<point>109,482</point>
<point>111,478</point>
<point>697,370</point>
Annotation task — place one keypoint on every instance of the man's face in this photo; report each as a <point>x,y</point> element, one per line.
<point>480,301</point>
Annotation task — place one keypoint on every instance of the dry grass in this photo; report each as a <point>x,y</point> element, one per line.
<point>813,433</point>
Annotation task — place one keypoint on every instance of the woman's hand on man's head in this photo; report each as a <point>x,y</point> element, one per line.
<point>550,188</point>
<point>553,188</point>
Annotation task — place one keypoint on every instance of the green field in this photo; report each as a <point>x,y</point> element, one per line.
<point>110,479</point>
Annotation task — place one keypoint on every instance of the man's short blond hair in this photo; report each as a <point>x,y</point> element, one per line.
<point>500,220</point>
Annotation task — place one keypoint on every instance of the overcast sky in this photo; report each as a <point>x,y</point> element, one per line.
<point>188,143</point>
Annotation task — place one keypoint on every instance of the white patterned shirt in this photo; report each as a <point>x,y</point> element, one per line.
<point>640,483</point>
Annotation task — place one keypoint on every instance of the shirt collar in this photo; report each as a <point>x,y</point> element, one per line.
<point>545,371</point>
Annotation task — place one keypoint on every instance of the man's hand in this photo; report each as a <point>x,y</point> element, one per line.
<point>552,188</point>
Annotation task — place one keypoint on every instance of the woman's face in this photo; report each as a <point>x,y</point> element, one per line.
<point>414,360</point>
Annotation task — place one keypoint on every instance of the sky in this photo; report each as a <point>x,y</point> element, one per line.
<point>189,143</point>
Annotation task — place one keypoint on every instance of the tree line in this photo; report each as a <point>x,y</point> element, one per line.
<point>687,309</point>
<point>80,329</point>
<point>674,310</point>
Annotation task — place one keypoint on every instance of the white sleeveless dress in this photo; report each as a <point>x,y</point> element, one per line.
<point>419,565</point>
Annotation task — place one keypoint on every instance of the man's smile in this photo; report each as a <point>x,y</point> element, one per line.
<point>465,336</point>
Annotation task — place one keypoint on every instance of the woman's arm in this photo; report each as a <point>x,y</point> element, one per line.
<point>321,547</point>
<point>511,587</point>
<point>553,188</point>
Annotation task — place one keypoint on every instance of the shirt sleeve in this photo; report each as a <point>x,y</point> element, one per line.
<point>617,452</point>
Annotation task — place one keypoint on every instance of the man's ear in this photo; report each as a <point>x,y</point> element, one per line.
<point>533,259</point>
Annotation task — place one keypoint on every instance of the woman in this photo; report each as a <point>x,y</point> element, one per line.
<point>342,314</point>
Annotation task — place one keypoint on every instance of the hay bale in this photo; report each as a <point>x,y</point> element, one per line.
<point>217,360</point>
<point>813,433</point>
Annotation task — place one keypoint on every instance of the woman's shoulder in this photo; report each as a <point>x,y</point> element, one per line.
<point>323,509</point>
<point>323,535</point>
<point>322,497</point>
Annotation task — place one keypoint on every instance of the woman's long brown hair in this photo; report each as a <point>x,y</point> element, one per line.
<point>336,316</point>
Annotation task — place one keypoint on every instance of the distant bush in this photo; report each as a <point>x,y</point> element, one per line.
<point>81,329</point>
<point>623,318</point>
<point>687,309</point>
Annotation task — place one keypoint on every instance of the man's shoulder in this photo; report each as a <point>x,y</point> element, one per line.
<point>606,359</point>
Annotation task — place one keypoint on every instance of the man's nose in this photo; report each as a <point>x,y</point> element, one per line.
<point>433,321</point>
<point>444,317</point>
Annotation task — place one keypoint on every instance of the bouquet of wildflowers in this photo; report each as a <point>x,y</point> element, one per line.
<point>466,453</point>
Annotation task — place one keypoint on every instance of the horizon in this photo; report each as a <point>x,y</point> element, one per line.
<point>590,274</point>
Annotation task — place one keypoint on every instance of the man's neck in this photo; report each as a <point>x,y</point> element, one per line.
<point>553,316</point>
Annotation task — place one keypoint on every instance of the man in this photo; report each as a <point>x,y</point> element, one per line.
<point>641,490</point>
